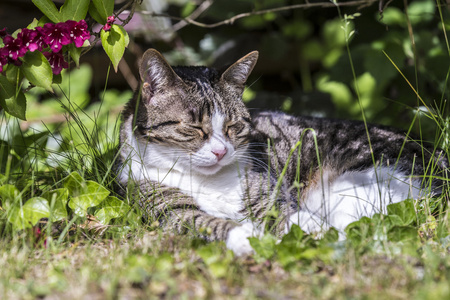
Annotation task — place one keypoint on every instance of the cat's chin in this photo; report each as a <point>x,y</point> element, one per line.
<point>208,170</point>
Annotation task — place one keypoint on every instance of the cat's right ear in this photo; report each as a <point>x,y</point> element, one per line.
<point>156,73</point>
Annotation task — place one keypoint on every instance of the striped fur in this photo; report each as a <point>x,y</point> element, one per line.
<point>202,164</point>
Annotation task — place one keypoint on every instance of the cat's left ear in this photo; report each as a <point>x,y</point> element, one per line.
<point>238,72</point>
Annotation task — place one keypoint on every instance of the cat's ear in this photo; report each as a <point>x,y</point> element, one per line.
<point>238,72</point>
<point>156,73</point>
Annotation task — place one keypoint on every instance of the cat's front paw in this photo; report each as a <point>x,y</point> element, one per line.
<point>237,240</point>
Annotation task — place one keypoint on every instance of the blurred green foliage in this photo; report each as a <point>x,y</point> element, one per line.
<point>305,66</point>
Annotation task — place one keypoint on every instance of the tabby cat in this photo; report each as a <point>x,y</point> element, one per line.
<point>200,162</point>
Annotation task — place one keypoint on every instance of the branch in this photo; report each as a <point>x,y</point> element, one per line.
<point>360,3</point>
<point>195,14</point>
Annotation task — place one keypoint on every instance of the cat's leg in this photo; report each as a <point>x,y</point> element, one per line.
<point>178,212</point>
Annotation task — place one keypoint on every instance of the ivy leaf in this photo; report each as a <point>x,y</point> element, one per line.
<point>29,214</point>
<point>48,8</point>
<point>37,70</point>
<point>111,208</point>
<point>105,8</point>
<point>74,10</point>
<point>73,183</point>
<point>84,194</point>
<point>57,201</point>
<point>35,209</point>
<point>114,42</point>
<point>92,194</point>
<point>14,103</point>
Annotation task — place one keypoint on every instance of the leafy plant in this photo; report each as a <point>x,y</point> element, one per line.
<point>36,53</point>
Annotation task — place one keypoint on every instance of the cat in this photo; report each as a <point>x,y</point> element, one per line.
<point>199,162</point>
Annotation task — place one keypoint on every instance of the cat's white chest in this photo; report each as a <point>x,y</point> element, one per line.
<point>219,195</point>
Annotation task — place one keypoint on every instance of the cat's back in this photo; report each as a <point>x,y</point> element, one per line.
<point>344,144</point>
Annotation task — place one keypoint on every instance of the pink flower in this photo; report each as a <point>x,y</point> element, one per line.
<point>14,47</point>
<point>78,32</point>
<point>31,39</point>
<point>56,61</point>
<point>55,35</point>
<point>109,22</point>
<point>106,27</point>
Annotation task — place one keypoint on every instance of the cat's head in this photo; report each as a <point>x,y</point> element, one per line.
<point>194,114</point>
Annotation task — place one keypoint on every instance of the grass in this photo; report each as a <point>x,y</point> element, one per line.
<point>148,265</point>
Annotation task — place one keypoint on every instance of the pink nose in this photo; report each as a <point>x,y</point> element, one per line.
<point>219,153</point>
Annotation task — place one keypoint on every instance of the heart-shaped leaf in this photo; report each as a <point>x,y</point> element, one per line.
<point>35,209</point>
<point>111,208</point>
<point>91,195</point>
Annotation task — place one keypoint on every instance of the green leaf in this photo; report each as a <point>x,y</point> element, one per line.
<point>29,214</point>
<point>105,8</point>
<point>360,230</point>
<point>403,234</point>
<point>33,24</point>
<point>75,53</point>
<point>405,210</point>
<point>95,14</point>
<point>12,101</point>
<point>35,209</point>
<point>264,247</point>
<point>92,194</point>
<point>37,70</point>
<point>57,200</point>
<point>114,42</point>
<point>74,10</point>
<point>331,236</point>
<point>84,194</point>
<point>74,183</point>
<point>295,234</point>
<point>48,8</point>
<point>111,208</point>
<point>8,194</point>
<point>16,218</point>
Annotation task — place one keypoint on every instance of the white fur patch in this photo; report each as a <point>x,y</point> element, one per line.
<point>339,202</point>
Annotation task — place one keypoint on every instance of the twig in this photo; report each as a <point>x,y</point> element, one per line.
<point>195,14</point>
<point>360,3</point>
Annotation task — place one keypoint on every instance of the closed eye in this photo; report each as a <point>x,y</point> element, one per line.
<point>201,131</point>
<point>162,124</point>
